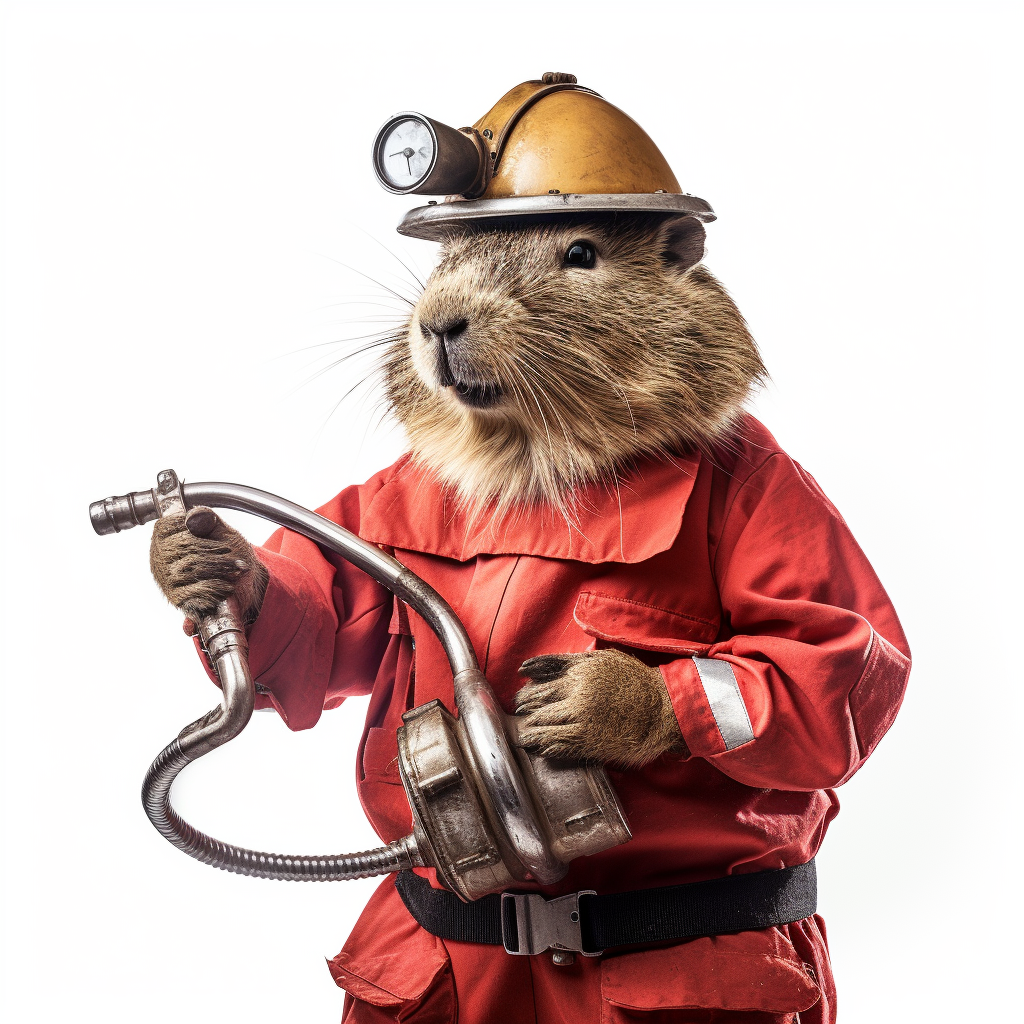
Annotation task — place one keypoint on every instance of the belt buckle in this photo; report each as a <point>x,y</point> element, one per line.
<point>531,924</point>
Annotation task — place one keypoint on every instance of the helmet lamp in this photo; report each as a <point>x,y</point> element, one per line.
<point>415,153</point>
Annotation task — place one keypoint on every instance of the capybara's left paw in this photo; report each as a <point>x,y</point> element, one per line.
<point>604,706</point>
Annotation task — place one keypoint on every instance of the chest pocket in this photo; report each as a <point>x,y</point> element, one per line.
<point>622,621</point>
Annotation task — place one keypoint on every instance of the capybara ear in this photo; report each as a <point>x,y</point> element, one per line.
<point>682,242</point>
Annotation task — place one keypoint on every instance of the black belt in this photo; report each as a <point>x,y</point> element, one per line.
<point>588,923</point>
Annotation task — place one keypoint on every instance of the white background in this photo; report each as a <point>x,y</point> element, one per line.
<point>182,184</point>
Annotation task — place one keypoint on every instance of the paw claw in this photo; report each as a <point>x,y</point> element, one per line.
<point>547,666</point>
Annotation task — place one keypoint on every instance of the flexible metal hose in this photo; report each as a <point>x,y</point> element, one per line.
<point>224,641</point>
<point>156,791</point>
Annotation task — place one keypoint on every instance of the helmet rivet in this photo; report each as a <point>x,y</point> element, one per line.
<point>659,191</point>
<point>487,133</point>
<point>553,191</point>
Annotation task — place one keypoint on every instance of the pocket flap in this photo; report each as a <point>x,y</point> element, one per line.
<point>388,960</point>
<point>632,623</point>
<point>748,971</point>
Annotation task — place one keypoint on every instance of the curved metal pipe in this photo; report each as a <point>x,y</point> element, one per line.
<point>507,796</point>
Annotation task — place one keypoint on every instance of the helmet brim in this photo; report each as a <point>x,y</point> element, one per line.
<point>456,217</point>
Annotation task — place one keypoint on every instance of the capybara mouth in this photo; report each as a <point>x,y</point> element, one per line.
<point>478,396</point>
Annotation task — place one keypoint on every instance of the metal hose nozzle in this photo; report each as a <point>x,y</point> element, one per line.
<point>122,512</point>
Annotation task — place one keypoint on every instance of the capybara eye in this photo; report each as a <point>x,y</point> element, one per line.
<point>580,254</point>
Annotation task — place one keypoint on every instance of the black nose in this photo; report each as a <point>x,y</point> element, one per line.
<point>445,332</point>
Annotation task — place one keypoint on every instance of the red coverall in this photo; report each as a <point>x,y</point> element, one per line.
<point>736,555</point>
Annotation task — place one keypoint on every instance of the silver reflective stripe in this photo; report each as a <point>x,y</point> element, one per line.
<point>723,694</point>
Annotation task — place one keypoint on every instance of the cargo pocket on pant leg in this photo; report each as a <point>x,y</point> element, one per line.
<point>393,970</point>
<point>748,978</point>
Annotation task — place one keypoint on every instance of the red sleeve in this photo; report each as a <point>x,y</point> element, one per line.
<point>814,664</point>
<point>323,626</point>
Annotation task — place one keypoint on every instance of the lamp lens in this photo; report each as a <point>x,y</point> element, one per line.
<point>406,153</point>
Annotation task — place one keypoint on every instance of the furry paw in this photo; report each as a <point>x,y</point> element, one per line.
<point>198,560</point>
<point>604,706</point>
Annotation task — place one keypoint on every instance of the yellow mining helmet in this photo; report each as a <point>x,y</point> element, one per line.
<point>548,146</point>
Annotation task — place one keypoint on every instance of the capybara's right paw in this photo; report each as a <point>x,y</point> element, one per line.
<point>198,561</point>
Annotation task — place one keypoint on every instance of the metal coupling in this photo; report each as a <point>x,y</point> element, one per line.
<point>122,512</point>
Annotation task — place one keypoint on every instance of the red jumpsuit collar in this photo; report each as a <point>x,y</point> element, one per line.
<point>628,522</point>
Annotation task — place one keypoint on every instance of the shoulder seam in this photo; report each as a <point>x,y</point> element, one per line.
<point>739,490</point>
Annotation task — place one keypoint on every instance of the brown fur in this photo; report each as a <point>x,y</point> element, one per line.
<point>640,354</point>
<point>601,706</point>
<point>196,572</point>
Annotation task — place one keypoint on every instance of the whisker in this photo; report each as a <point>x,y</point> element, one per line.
<point>380,284</point>
<point>416,277</point>
<point>337,405</point>
<point>337,341</point>
<point>357,301</point>
<point>337,362</point>
<point>368,347</point>
<point>570,477</point>
<point>370,318</point>
<point>543,418</point>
